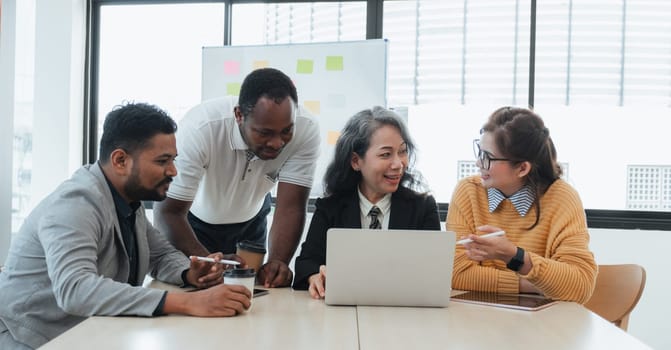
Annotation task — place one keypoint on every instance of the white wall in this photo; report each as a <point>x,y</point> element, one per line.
<point>649,249</point>
<point>59,85</point>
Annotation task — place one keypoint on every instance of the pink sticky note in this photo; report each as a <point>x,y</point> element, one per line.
<point>231,67</point>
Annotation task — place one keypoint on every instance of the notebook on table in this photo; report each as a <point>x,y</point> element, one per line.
<point>389,267</point>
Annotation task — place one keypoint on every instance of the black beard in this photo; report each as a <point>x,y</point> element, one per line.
<point>134,190</point>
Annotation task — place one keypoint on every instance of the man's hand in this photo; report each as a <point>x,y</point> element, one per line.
<point>275,273</point>
<point>221,300</point>
<point>203,274</point>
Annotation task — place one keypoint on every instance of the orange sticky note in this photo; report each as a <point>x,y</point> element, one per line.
<point>313,106</point>
<point>332,137</point>
<point>260,64</point>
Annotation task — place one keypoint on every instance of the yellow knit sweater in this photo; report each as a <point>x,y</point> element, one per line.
<point>563,266</point>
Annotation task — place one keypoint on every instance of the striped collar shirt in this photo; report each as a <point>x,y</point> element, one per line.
<point>522,199</point>
<point>385,207</point>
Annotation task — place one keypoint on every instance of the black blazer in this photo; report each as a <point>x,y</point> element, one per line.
<point>409,210</point>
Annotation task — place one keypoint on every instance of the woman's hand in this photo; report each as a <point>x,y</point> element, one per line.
<point>498,247</point>
<point>490,248</point>
<point>318,283</point>
<point>527,287</point>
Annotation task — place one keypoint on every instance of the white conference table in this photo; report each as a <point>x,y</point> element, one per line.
<point>287,319</point>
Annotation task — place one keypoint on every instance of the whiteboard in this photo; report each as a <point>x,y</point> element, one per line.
<point>333,80</point>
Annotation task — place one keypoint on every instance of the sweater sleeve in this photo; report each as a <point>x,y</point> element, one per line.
<point>568,270</point>
<point>485,276</point>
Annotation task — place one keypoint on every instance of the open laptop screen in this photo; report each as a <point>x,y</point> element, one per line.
<point>389,267</point>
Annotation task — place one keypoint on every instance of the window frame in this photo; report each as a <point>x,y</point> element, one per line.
<point>596,218</point>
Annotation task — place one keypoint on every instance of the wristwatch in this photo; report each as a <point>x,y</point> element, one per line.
<point>517,261</point>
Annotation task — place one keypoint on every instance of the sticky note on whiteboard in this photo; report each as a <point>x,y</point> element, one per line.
<point>334,63</point>
<point>313,106</point>
<point>304,66</point>
<point>332,137</point>
<point>233,89</point>
<point>260,64</point>
<point>231,67</point>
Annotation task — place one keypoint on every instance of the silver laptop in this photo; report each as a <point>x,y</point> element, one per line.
<point>389,267</point>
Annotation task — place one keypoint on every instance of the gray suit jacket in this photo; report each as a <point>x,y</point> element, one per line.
<point>68,262</point>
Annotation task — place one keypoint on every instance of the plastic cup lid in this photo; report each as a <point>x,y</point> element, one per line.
<point>239,273</point>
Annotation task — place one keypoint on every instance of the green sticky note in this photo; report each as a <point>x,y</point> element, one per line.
<point>334,63</point>
<point>304,66</point>
<point>233,89</point>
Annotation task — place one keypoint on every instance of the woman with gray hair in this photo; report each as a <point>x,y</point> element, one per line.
<point>369,183</point>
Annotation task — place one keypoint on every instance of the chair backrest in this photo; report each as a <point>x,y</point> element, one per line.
<point>618,289</point>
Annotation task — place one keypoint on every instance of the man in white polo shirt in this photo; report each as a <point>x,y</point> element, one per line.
<point>231,155</point>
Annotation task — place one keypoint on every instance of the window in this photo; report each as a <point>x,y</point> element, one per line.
<point>144,46</point>
<point>152,53</point>
<point>261,24</point>
<point>453,63</point>
<point>603,78</point>
<point>602,72</point>
<point>603,84</point>
<point>24,78</point>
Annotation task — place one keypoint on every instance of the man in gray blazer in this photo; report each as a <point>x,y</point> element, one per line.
<point>85,249</point>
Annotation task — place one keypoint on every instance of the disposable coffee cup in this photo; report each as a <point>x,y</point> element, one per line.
<point>242,277</point>
<point>253,254</point>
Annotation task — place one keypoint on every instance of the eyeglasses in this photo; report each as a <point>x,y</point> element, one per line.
<point>483,156</point>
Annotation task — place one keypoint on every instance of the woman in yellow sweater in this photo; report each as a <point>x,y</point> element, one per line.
<point>519,190</point>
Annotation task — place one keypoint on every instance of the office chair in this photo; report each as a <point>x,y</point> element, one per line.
<point>618,289</point>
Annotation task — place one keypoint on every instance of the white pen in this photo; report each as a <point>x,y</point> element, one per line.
<point>222,261</point>
<point>468,240</point>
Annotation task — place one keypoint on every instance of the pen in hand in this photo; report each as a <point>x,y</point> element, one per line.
<point>493,234</point>
<point>222,261</point>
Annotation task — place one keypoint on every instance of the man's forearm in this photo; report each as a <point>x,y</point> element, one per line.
<point>182,237</point>
<point>175,303</point>
<point>284,236</point>
<point>288,221</point>
<point>178,231</point>
<point>283,247</point>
